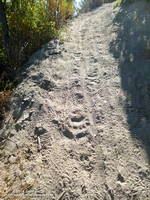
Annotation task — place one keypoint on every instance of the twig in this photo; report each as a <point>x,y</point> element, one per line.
<point>61,196</point>
<point>39,143</point>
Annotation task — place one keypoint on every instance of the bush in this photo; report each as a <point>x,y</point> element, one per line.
<point>32,23</point>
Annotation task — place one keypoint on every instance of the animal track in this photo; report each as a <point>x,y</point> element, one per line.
<point>77,118</point>
<point>74,126</point>
<point>92,80</point>
<point>76,83</point>
<point>75,71</point>
<point>47,85</point>
<point>79,96</point>
<point>78,123</point>
<point>67,132</point>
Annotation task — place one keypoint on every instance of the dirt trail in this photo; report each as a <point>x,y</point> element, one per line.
<point>71,105</point>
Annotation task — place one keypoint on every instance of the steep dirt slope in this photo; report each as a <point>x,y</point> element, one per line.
<point>69,133</point>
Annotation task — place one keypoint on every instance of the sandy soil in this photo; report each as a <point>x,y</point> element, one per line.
<point>68,135</point>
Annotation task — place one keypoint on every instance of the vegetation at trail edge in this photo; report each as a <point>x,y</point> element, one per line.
<point>87,5</point>
<point>24,27</point>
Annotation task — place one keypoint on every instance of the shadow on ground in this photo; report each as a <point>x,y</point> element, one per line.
<point>132,48</point>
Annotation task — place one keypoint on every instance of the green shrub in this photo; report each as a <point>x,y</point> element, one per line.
<point>32,23</point>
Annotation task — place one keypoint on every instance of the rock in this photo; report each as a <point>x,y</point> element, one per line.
<point>39,130</point>
<point>9,148</point>
<point>29,180</point>
<point>18,173</point>
<point>12,159</point>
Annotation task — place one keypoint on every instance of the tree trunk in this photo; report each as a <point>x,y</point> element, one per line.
<point>5,30</point>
